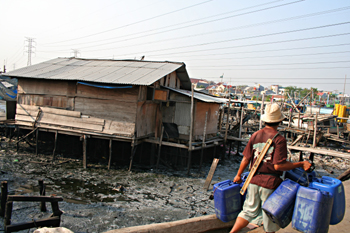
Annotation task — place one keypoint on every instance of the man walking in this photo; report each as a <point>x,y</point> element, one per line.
<point>267,177</point>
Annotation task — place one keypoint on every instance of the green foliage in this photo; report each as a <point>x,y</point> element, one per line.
<point>254,97</point>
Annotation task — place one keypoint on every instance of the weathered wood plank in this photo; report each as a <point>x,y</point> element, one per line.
<point>115,127</point>
<point>213,116</point>
<point>53,119</point>
<point>45,87</point>
<point>107,109</point>
<point>145,123</point>
<point>198,224</point>
<point>61,112</point>
<point>127,94</point>
<point>44,100</point>
<point>321,151</point>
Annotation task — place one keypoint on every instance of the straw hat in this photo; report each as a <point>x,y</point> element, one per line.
<point>272,114</point>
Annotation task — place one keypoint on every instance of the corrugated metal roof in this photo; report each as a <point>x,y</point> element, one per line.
<point>200,96</point>
<point>104,71</point>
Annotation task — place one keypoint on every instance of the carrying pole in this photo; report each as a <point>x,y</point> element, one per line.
<point>256,164</point>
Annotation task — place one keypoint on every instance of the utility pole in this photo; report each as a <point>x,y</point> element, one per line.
<point>30,49</point>
<point>343,102</point>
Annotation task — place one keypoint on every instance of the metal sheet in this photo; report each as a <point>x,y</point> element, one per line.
<point>104,71</point>
<point>199,96</point>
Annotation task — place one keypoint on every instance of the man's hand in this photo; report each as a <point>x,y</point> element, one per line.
<point>306,165</point>
<point>237,179</point>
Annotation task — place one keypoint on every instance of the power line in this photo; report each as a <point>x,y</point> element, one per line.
<point>289,55</point>
<point>263,51</point>
<point>130,24</point>
<point>201,34</point>
<point>257,44</point>
<point>243,38</point>
<point>147,31</point>
<point>293,68</point>
<point>279,64</point>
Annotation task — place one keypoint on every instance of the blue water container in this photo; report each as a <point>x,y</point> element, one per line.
<point>279,205</point>
<point>336,188</point>
<point>227,200</point>
<point>299,175</point>
<point>312,210</point>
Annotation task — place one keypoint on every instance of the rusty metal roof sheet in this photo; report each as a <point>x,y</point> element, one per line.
<point>132,72</point>
<point>200,96</point>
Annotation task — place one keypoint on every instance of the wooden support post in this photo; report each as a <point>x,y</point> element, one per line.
<point>337,129</point>
<point>261,111</point>
<point>84,151</point>
<point>315,131</point>
<point>17,144</point>
<point>54,147</point>
<point>8,213</point>
<point>133,150</point>
<point>152,154</point>
<point>299,120</point>
<point>301,158</point>
<point>110,153</point>
<point>36,141</point>
<point>203,140</point>
<point>4,193</point>
<point>210,174</point>
<point>42,193</point>
<point>290,117</point>
<point>241,123</point>
<point>160,146</point>
<point>220,119</point>
<point>191,133</point>
<point>227,120</point>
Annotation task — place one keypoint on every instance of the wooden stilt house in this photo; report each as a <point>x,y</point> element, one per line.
<point>110,99</point>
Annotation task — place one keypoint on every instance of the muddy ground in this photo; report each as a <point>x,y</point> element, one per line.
<point>97,199</point>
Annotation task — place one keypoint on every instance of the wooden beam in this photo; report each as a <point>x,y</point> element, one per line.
<point>160,146</point>
<point>203,139</point>
<point>211,174</point>
<point>191,133</point>
<point>321,151</point>
<point>84,151</point>
<point>54,147</point>
<point>315,131</point>
<point>110,153</point>
<point>197,224</point>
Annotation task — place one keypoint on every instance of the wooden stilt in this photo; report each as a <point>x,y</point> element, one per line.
<point>55,145</point>
<point>36,141</point>
<point>4,193</point>
<point>8,213</point>
<point>261,110</point>
<point>17,129</point>
<point>152,154</point>
<point>301,156</point>
<point>241,123</point>
<point>110,153</point>
<point>203,140</point>
<point>315,131</point>
<point>191,133</point>
<point>42,193</point>
<point>84,151</point>
<point>133,150</point>
<point>160,146</point>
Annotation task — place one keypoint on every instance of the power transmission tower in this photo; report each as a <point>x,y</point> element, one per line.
<point>75,52</point>
<point>30,49</point>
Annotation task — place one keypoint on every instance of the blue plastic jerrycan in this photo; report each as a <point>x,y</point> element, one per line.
<point>279,205</point>
<point>336,188</point>
<point>312,210</point>
<point>227,200</point>
<point>299,175</point>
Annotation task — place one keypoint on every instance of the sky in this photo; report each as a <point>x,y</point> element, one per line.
<point>302,43</point>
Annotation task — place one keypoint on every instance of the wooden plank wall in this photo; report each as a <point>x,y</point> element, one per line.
<point>171,80</point>
<point>199,119</point>
<point>115,107</point>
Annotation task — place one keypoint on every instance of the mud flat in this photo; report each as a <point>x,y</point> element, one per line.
<point>98,200</point>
